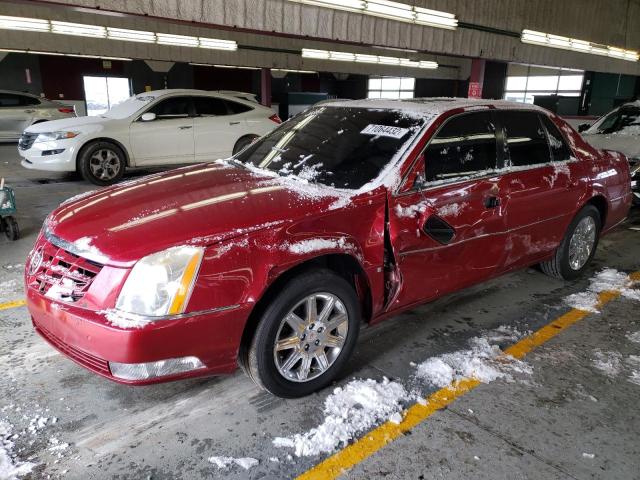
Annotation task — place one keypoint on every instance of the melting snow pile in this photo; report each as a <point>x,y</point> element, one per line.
<point>225,462</point>
<point>482,361</point>
<point>610,363</point>
<point>606,280</point>
<point>10,466</point>
<point>351,409</point>
<point>613,364</point>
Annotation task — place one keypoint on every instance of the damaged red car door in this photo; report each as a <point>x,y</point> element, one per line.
<point>448,228</point>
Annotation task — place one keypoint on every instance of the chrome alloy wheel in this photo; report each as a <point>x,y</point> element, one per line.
<point>104,164</point>
<point>582,243</point>
<point>310,337</point>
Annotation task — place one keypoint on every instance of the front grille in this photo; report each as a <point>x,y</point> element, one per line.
<point>62,274</point>
<point>26,140</point>
<point>83,358</point>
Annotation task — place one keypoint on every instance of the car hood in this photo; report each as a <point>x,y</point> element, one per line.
<point>75,123</point>
<point>199,205</point>
<point>627,144</point>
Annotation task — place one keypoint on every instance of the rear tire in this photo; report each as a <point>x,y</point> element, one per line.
<point>269,359</point>
<point>578,246</point>
<point>242,143</point>
<point>102,163</point>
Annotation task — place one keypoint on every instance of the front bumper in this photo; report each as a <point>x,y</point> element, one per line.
<point>34,158</point>
<point>87,337</point>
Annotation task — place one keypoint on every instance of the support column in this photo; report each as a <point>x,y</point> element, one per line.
<point>477,78</point>
<point>265,87</point>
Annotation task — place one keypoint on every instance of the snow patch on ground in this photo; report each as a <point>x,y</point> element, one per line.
<point>609,363</point>
<point>225,462</point>
<point>634,337</point>
<point>483,361</point>
<point>607,280</point>
<point>11,467</point>
<point>349,410</point>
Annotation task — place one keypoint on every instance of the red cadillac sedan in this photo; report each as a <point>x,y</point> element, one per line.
<point>346,214</point>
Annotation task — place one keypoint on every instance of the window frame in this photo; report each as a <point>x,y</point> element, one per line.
<point>163,98</point>
<point>404,190</point>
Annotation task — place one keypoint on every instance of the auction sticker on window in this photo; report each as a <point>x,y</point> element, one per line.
<point>385,131</point>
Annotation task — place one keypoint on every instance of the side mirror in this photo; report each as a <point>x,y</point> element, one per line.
<point>583,127</point>
<point>148,117</point>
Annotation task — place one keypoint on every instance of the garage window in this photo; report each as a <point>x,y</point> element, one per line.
<point>391,87</point>
<point>524,82</point>
<point>466,145</point>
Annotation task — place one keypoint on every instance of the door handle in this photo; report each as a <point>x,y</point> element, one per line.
<point>185,127</point>
<point>29,111</point>
<point>234,123</point>
<point>491,202</point>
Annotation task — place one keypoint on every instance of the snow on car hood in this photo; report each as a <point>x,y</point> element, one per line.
<point>201,204</point>
<point>73,123</point>
<point>627,144</point>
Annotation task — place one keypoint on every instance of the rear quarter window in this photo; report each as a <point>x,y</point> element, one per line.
<point>559,148</point>
<point>526,139</point>
<point>236,107</point>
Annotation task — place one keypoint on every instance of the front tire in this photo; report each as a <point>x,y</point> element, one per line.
<point>102,163</point>
<point>305,335</point>
<point>578,246</point>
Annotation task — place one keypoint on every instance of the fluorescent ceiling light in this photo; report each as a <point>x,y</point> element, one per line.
<point>22,23</point>
<point>177,40</point>
<point>130,35</point>
<point>401,12</point>
<point>79,29</point>
<point>363,58</point>
<point>566,43</point>
<point>217,44</point>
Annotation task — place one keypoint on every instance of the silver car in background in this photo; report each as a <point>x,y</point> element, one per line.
<point>21,110</point>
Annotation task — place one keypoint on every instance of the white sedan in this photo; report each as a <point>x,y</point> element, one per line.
<point>162,127</point>
<point>619,130</point>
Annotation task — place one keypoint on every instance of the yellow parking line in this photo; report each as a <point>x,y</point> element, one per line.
<point>12,304</point>
<point>348,457</point>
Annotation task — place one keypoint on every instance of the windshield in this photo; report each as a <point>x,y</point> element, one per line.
<point>129,106</point>
<point>625,121</point>
<point>337,146</point>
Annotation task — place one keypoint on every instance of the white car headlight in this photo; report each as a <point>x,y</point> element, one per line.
<point>160,284</point>
<point>52,136</point>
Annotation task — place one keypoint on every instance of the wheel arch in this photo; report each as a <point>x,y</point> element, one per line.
<point>245,136</point>
<point>103,139</point>
<point>343,264</point>
<point>600,202</point>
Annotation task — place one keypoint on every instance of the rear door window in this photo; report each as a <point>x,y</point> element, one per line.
<point>525,139</point>
<point>9,100</point>
<point>559,148</point>
<point>208,106</point>
<point>464,146</point>
<point>235,107</point>
<point>25,100</point>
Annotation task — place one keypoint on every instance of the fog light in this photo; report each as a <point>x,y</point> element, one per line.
<point>52,152</point>
<point>161,368</point>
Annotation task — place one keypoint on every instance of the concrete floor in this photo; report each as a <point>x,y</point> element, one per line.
<point>545,425</point>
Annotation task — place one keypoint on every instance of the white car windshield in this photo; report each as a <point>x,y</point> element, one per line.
<point>623,121</point>
<point>129,106</point>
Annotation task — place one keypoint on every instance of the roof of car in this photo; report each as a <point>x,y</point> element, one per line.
<point>21,93</point>
<point>435,105</point>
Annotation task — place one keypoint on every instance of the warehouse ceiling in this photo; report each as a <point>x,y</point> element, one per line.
<point>272,33</point>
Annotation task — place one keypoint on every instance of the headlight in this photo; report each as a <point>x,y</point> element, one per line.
<point>51,136</point>
<point>160,284</point>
